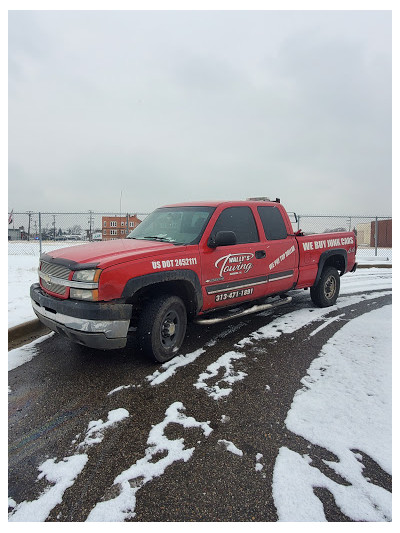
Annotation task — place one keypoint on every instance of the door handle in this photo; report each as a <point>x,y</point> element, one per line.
<point>260,254</point>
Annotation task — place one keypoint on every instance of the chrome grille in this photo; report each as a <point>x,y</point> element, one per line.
<point>58,271</point>
<point>53,287</point>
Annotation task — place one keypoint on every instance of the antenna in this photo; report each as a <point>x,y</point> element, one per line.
<point>120,216</point>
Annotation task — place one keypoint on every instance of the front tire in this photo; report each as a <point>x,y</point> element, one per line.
<point>162,327</point>
<point>326,291</point>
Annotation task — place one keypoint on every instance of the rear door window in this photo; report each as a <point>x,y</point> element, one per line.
<point>273,223</point>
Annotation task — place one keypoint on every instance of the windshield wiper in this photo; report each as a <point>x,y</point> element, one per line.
<point>157,238</point>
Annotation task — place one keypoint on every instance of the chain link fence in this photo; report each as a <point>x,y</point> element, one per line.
<point>33,233</point>
<point>374,234</point>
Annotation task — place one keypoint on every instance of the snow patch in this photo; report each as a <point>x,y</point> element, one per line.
<point>96,428</point>
<point>19,356</point>
<point>230,447</point>
<point>122,387</point>
<point>144,470</point>
<point>230,376</point>
<point>63,475</point>
<point>291,322</point>
<point>169,368</point>
<point>345,405</point>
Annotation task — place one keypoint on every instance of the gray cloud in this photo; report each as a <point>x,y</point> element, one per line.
<point>176,106</point>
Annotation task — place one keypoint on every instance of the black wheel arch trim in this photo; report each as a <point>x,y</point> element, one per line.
<point>325,256</point>
<point>189,276</point>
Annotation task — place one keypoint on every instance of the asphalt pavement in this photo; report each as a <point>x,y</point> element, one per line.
<point>54,396</point>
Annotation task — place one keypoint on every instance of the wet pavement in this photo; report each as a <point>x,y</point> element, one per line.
<point>55,396</point>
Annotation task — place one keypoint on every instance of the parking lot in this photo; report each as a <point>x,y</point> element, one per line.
<point>109,436</point>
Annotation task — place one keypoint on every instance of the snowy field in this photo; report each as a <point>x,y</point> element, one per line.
<point>343,406</point>
<point>23,262</point>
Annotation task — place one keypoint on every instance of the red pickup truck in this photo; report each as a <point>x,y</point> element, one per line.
<point>186,262</point>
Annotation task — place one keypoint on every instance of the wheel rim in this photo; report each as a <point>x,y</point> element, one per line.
<point>330,287</point>
<point>170,328</point>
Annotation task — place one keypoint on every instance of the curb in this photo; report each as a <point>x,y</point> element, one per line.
<point>26,332</point>
<point>375,265</point>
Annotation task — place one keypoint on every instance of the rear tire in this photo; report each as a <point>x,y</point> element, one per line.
<point>162,327</point>
<point>326,291</point>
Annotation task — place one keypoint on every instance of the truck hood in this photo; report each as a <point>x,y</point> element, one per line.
<point>107,253</point>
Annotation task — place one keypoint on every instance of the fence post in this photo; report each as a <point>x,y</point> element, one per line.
<point>298,222</point>
<point>376,236</point>
<point>40,234</point>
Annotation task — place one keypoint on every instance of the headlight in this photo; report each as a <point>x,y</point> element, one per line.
<point>87,275</point>
<point>84,294</point>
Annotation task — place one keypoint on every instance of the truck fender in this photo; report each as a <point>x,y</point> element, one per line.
<point>336,258</point>
<point>188,276</point>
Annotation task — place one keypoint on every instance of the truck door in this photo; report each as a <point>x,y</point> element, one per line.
<point>281,250</point>
<point>237,272</point>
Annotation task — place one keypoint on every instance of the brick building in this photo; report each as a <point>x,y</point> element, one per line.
<point>366,233</point>
<point>384,232</point>
<point>118,227</point>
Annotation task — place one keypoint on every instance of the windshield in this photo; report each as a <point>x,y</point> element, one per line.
<point>177,225</point>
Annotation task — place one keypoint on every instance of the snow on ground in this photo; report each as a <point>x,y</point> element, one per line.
<point>168,369</point>
<point>230,447</point>
<point>130,481</point>
<point>22,272</point>
<point>95,430</point>
<point>23,354</point>
<point>62,474</point>
<point>293,321</point>
<point>344,407</point>
<point>230,376</point>
<point>23,262</point>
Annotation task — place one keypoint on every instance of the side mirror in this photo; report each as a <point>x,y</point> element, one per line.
<point>222,238</point>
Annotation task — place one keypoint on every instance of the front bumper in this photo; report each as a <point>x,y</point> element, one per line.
<point>101,325</point>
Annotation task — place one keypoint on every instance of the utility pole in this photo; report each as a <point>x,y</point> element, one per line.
<point>29,225</point>
<point>90,224</point>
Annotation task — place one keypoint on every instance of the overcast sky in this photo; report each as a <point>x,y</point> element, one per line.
<point>174,106</point>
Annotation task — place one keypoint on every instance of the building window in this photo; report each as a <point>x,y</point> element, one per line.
<point>131,224</point>
<point>104,232</point>
<point>105,223</point>
<point>113,223</point>
<point>122,223</point>
<point>113,232</point>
